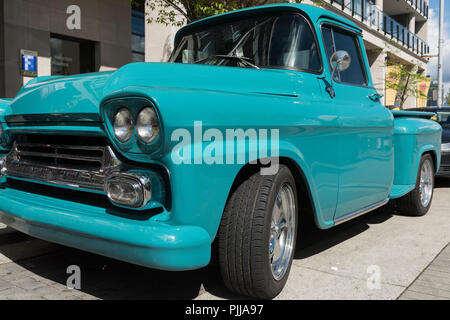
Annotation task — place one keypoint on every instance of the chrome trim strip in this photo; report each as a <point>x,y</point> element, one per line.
<point>140,182</point>
<point>54,117</point>
<point>360,212</point>
<point>59,146</point>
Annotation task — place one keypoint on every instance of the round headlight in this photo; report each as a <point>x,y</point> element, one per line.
<point>147,125</point>
<point>123,125</point>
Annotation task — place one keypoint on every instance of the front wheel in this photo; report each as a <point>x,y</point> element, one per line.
<point>418,202</point>
<point>258,234</point>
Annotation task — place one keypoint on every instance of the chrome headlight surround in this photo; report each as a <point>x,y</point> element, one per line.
<point>138,146</point>
<point>445,147</point>
<point>139,190</point>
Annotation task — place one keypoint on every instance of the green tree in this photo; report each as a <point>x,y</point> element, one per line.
<point>404,79</point>
<point>447,98</point>
<point>179,12</point>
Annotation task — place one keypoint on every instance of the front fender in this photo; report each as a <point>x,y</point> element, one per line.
<point>306,136</point>
<point>193,183</point>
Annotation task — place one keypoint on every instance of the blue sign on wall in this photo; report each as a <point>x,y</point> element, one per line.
<point>29,65</point>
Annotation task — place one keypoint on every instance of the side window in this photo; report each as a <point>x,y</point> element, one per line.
<point>293,44</point>
<point>336,40</point>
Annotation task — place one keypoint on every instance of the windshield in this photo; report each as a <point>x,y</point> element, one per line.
<point>284,41</point>
<point>444,119</point>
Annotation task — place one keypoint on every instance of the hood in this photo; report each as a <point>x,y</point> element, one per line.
<point>82,94</point>
<point>4,108</point>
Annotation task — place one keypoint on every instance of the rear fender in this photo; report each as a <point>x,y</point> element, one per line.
<point>413,137</point>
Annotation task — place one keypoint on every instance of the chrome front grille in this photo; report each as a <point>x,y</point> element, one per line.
<point>77,162</point>
<point>61,155</point>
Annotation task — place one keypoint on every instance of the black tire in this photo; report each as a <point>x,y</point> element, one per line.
<point>411,204</point>
<point>244,235</point>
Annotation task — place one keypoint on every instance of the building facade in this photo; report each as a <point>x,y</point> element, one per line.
<point>63,37</point>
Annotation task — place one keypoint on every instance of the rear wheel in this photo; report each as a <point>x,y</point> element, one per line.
<point>258,234</point>
<point>418,201</point>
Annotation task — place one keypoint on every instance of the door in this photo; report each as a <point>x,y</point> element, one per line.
<point>365,139</point>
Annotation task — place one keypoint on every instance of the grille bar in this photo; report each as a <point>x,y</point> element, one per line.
<point>58,156</point>
<point>58,146</point>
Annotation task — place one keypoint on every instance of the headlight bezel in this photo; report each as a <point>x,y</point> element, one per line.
<point>135,104</point>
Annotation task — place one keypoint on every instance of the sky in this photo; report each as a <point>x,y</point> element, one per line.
<point>433,40</point>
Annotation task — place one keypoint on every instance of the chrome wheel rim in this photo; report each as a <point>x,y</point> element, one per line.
<point>426,183</point>
<point>282,231</point>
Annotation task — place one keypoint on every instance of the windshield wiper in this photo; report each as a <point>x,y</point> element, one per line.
<point>244,60</point>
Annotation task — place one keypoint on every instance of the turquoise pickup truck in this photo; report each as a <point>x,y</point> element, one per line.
<point>262,117</point>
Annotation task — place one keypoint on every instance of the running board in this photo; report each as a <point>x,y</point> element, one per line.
<point>359,213</point>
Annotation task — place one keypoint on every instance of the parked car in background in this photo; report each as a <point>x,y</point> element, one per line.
<point>443,117</point>
<point>94,161</point>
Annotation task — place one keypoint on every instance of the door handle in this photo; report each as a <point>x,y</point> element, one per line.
<point>376,97</point>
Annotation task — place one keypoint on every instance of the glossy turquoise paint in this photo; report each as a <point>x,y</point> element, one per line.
<point>150,243</point>
<point>414,137</point>
<point>345,148</point>
<point>4,110</point>
<point>365,140</point>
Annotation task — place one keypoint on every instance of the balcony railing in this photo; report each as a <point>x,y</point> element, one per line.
<point>421,6</point>
<point>369,14</point>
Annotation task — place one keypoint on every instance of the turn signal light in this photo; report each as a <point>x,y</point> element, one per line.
<point>128,190</point>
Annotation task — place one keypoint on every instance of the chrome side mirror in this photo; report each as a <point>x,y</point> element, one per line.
<point>340,61</point>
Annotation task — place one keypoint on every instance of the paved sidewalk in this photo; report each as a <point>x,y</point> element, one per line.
<point>434,282</point>
<point>411,254</point>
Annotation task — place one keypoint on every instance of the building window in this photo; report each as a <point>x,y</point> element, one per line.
<point>71,56</point>
<point>138,36</point>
